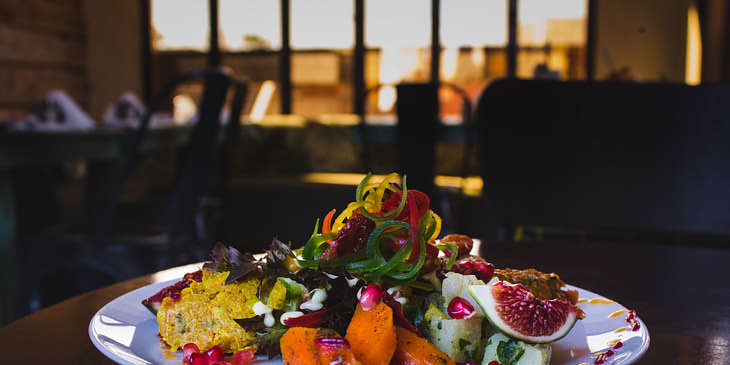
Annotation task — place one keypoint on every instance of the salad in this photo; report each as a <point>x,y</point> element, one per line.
<point>373,284</point>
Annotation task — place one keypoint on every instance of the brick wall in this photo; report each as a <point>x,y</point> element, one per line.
<point>42,47</point>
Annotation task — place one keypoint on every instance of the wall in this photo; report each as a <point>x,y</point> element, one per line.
<point>42,47</point>
<point>649,36</point>
<point>714,38</point>
<point>114,53</point>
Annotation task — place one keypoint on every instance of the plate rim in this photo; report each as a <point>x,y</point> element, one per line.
<point>644,347</point>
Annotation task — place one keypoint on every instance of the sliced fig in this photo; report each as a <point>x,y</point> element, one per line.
<point>154,302</point>
<point>519,314</point>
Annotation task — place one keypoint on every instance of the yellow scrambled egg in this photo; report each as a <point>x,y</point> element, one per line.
<point>205,311</point>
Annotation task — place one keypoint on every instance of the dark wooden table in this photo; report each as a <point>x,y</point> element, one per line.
<point>682,294</point>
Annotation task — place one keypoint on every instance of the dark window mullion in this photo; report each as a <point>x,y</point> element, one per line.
<point>591,41</point>
<point>512,38</point>
<point>285,60</point>
<point>214,51</point>
<point>146,51</point>
<point>358,81</point>
<point>435,41</point>
<point>359,92</point>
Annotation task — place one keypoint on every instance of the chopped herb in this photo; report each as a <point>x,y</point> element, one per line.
<point>508,353</point>
<point>463,344</point>
<point>439,326</point>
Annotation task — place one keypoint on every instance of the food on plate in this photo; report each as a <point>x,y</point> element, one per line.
<point>517,312</point>
<point>154,302</point>
<point>415,350</point>
<point>373,285</point>
<point>544,286</point>
<point>372,334</point>
<point>205,312</point>
<point>509,351</point>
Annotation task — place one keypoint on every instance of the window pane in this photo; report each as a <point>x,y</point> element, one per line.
<point>322,24</point>
<point>322,36</point>
<point>474,23</point>
<point>473,37</point>
<point>398,38</point>
<point>250,25</point>
<point>180,25</point>
<point>552,38</point>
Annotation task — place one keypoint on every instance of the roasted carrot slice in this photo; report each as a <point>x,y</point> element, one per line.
<point>298,347</point>
<point>414,350</point>
<point>372,334</point>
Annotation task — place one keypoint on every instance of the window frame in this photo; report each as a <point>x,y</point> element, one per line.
<point>358,51</point>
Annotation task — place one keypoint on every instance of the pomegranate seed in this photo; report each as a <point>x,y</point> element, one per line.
<point>215,353</point>
<point>188,351</point>
<point>494,362</point>
<point>618,345</point>
<point>485,271</point>
<point>242,357</point>
<point>222,362</point>
<point>460,308</point>
<point>200,359</point>
<point>331,341</point>
<point>370,296</point>
<point>631,319</point>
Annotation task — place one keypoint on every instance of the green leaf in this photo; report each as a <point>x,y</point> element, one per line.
<point>510,352</point>
<point>463,344</point>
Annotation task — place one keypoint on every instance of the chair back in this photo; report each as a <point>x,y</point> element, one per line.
<point>627,156</point>
<point>191,182</point>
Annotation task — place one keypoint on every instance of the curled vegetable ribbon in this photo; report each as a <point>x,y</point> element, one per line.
<point>327,224</point>
<point>374,198</point>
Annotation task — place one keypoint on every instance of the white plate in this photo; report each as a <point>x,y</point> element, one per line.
<point>126,332</point>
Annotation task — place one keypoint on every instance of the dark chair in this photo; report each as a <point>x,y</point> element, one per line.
<point>179,214</point>
<point>606,156</point>
<point>179,233</point>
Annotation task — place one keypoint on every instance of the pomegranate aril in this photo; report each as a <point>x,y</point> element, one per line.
<point>200,359</point>
<point>215,353</point>
<point>484,270</point>
<point>332,341</point>
<point>494,362</point>
<point>370,296</point>
<point>618,345</point>
<point>188,351</point>
<point>243,357</point>
<point>460,308</point>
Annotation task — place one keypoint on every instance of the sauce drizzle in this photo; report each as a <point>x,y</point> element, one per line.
<point>621,329</point>
<point>600,301</point>
<point>617,313</point>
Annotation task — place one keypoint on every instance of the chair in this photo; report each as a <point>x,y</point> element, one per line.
<point>615,156</point>
<point>179,214</point>
<point>106,257</point>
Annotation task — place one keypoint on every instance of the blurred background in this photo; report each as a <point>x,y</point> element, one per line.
<point>103,143</point>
